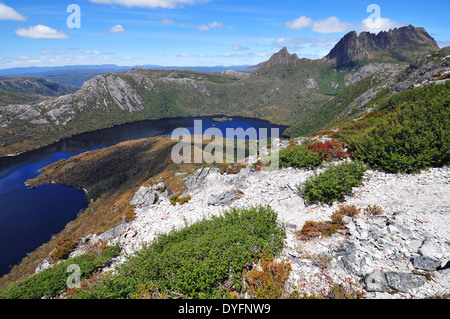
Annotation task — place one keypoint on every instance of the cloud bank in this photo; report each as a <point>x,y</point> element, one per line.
<point>40,32</point>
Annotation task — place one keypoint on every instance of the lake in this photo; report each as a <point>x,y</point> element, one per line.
<point>29,218</point>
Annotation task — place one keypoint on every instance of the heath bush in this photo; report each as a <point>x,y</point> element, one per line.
<point>204,260</point>
<point>299,156</point>
<point>333,184</point>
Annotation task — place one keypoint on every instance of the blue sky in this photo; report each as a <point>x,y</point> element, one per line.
<point>196,32</point>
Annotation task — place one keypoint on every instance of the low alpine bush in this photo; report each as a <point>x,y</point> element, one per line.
<point>51,282</point>
<point>299,156</point>
<point>333,184</point>
<point>204,260</point>
<point>413,135</point>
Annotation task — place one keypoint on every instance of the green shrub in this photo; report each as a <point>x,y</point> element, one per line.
<point>204,260</point>
<point>299,156</point>
<point>52,281</point>
<point>333,184</point>
<point>414,134</point>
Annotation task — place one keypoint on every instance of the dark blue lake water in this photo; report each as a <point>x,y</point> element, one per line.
<point>28,218</point>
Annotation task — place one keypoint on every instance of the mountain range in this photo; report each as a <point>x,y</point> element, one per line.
<point>77,75</point>
<point>301,93</point>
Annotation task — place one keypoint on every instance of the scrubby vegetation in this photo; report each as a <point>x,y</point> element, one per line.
<point>412,133</point>
<point>204,260</point>
<point>299,156</point>
<point>332,184</point>
<point>51,282</point>
<point>174,199</point>
<point>268,280</point>
<point>313,229</point>
<point>331,150</point>
<point>63,249</point>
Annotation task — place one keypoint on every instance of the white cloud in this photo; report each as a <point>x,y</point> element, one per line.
<point>189,55</point>
<point>226,55</point>
<point>210,25</point>
<point>332,25</point>
<point>92,52</point>
<point>40,32</point>
<point>296,44</point>
<point>8,13</point>
<point>168,4</point>
<point>379,24</point>
<point>299,23</point>
<point>60,60</point>
<point>167,21</point>
<point>239,47</point>
<point>116,29</point>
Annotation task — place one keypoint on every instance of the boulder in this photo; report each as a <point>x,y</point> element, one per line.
<point>425,263</point>
<point>376,282</point>
<point>402,281</point>
<point>145,196</point>
<point>195,181</point>
<point>223,199</point>
<point>431,249</point>
<point>393,281</point>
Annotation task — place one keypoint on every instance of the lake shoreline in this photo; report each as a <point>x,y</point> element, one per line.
<point>134,122</point>
<point>15,171</point>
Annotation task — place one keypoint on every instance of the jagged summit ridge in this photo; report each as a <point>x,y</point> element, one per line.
<point>399,44</point>
<point>282,57</point>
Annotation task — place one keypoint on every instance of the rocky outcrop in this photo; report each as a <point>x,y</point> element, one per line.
<point>400,44</point>
<point>431,68</point>
<point>236,74</point>
<point>428,69</point>
<point>283,57</point>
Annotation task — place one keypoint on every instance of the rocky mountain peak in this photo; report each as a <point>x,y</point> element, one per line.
<point>282,57</point>
<point>399,44</point>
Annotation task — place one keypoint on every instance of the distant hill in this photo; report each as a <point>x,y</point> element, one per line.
<point>76,75</point>
<point>20,90</point>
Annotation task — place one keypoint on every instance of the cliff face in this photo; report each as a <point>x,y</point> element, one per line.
<point>403,44</point>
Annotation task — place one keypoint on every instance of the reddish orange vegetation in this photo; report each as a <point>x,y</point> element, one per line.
<point>268,281</point>
<point>330,150</point>
<point>313,229</point>
<point>63,249</point>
